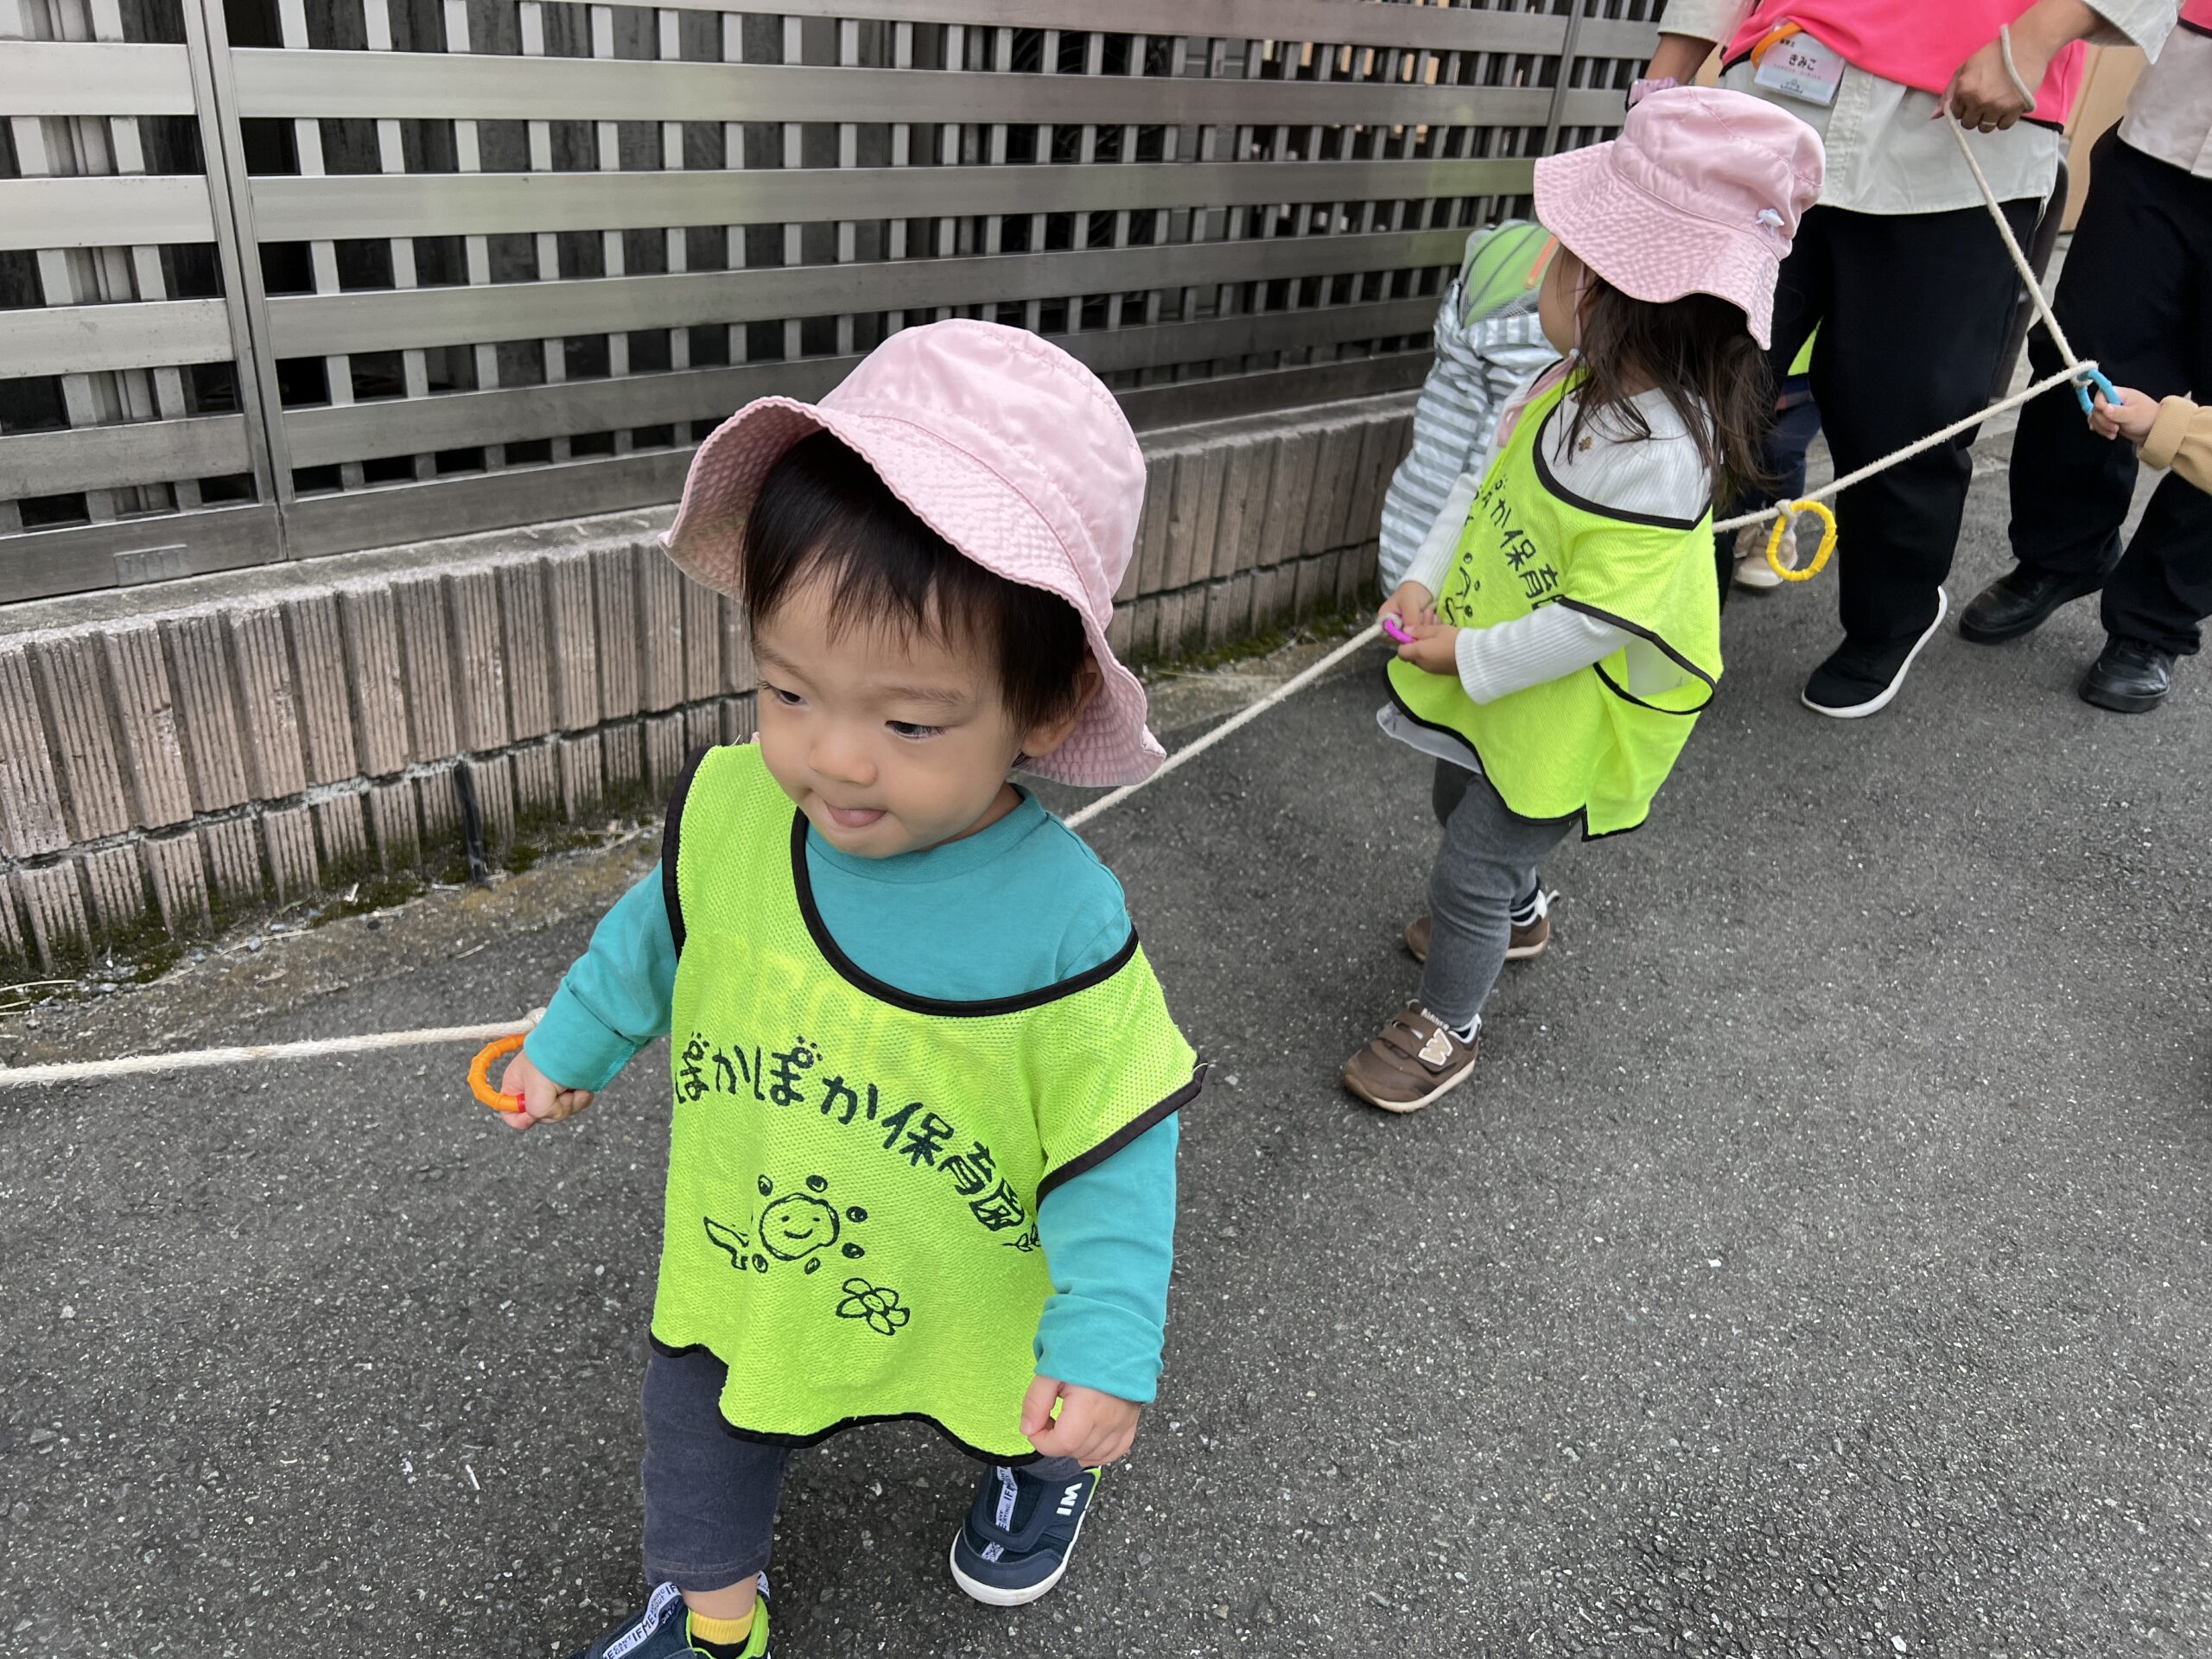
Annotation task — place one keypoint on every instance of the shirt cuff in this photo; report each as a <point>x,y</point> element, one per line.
<point>573,1046</point>
<point>2167,432</point>
<point>2145,23</point>
<point>1097,1345</point>
<point>1705,19</point>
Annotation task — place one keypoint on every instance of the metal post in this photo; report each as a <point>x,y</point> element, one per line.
<point>1574,9</point>
<point>230,204</point>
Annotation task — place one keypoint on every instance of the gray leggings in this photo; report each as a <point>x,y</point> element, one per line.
<point>1486,868</point>
<point>710,1496</point>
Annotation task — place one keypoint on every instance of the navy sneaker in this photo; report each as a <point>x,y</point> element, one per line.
<point>1019,1534</point>
<point>663,1630</point>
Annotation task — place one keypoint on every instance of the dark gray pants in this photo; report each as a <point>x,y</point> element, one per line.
<point>1488,866</point>
<point>711,1495</point>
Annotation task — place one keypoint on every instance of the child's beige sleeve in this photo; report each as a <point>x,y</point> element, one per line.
<point>2181,438</point>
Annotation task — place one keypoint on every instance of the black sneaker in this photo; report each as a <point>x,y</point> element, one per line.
<point>1859,680</point>
<point>663,1630</point>
<point>2129,676</point>
<point>1019,1534</point>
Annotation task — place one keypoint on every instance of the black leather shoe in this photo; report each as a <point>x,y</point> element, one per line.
<point>2019,602</point>
<point>2129,676</point>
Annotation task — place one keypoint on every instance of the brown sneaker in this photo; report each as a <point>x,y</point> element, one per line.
<point>1411,1062</point>
<point>1527,941</point>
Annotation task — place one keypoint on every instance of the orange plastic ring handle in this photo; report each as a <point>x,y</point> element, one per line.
<point>480,1074</point>
<point>1782,524</point>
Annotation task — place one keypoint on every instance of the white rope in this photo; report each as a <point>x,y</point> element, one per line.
<point>2074,369</point>
<point>1911,450</point>
<point>195,1059</point>
<point>1236,723</point>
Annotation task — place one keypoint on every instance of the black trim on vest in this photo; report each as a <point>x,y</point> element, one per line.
<point>1580,816</point>
<point>1128,1132</point>
<point>861,980</point>
<point>671,836</point>
<point>799,1442</point>
<point>1551,482</point>
<point>1651,638</point>
<point>2194,28</point>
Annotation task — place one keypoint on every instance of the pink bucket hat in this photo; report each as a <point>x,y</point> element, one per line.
<point>1699,194</point>
<point>1003,444</point>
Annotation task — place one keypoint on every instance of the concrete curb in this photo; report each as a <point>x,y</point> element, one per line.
<point>170,771</point>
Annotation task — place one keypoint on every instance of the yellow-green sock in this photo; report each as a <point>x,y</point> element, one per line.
<point>721,1637</point>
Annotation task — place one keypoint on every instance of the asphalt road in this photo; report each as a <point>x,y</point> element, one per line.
<point>1821,1263</point>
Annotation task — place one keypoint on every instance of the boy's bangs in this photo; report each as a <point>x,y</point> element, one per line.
<point>824,515</point>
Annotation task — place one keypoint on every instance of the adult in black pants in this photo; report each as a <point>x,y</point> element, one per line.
<point>1899,356</point>
<point>2134,295</point>
<point>1900,259</point>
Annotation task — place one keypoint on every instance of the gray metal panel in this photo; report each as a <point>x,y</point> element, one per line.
<point>306,324</point>
<point>85,339</point>
<point>1110,349</point>
<point>1228,396</point>
<point>85,557</point>
<point>409,205</point>
<point>110,457</point>
<point>1591,106</point>
<point>103,212</point>
<point>412,426</point>
<point>330,84</point>
<point>1461,28</point>
<point>391,515</point>
<point>93,78</point>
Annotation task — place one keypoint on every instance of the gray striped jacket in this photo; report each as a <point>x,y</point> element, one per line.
<point>1478,366</point>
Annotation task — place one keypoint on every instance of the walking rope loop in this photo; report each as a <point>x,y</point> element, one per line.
<point>480,1072</point>
<point>2079,372</point>
<point>1783,525</point>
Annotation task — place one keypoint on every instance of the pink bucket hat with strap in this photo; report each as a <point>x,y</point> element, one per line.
<point>1699,194</point>
<point>1002,444</point>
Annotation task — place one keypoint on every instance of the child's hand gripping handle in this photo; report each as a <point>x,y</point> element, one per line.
<point>528,1096</point>
<point>480,1074</point>
<point>2084,382</point>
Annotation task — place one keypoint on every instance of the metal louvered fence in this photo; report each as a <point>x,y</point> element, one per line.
<point>287,277</point>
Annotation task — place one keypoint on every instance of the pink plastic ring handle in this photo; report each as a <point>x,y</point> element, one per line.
<point>1396,629</point>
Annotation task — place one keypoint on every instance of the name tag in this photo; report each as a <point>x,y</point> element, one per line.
<point>1801,68</point>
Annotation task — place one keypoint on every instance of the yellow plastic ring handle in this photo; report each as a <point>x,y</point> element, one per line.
<point>480,1074</point>
<point>1782,527</point>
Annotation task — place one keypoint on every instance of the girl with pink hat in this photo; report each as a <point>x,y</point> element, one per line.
<point>923,1154</point>
<point>1563,612</point>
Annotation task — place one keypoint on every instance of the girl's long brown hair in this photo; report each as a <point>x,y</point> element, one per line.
<point>1698,353</point>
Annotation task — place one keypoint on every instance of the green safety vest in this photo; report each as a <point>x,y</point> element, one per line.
<point>1584,747</point>
<point>854,1173</point>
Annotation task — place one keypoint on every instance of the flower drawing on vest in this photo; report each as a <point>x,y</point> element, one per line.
<point>794,1227</point>
<point>877,1304</point>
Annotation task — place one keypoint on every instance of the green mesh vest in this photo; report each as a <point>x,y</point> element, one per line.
<point>1587,746</point>
<point>854,1173</point>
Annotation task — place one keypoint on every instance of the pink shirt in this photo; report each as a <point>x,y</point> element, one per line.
<point>1912,42</point>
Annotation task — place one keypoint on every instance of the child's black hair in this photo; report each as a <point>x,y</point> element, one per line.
<point>1698,354</point>
<point>824,515</point>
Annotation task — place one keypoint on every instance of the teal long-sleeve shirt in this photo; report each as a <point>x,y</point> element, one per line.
<point>1014,908</point>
